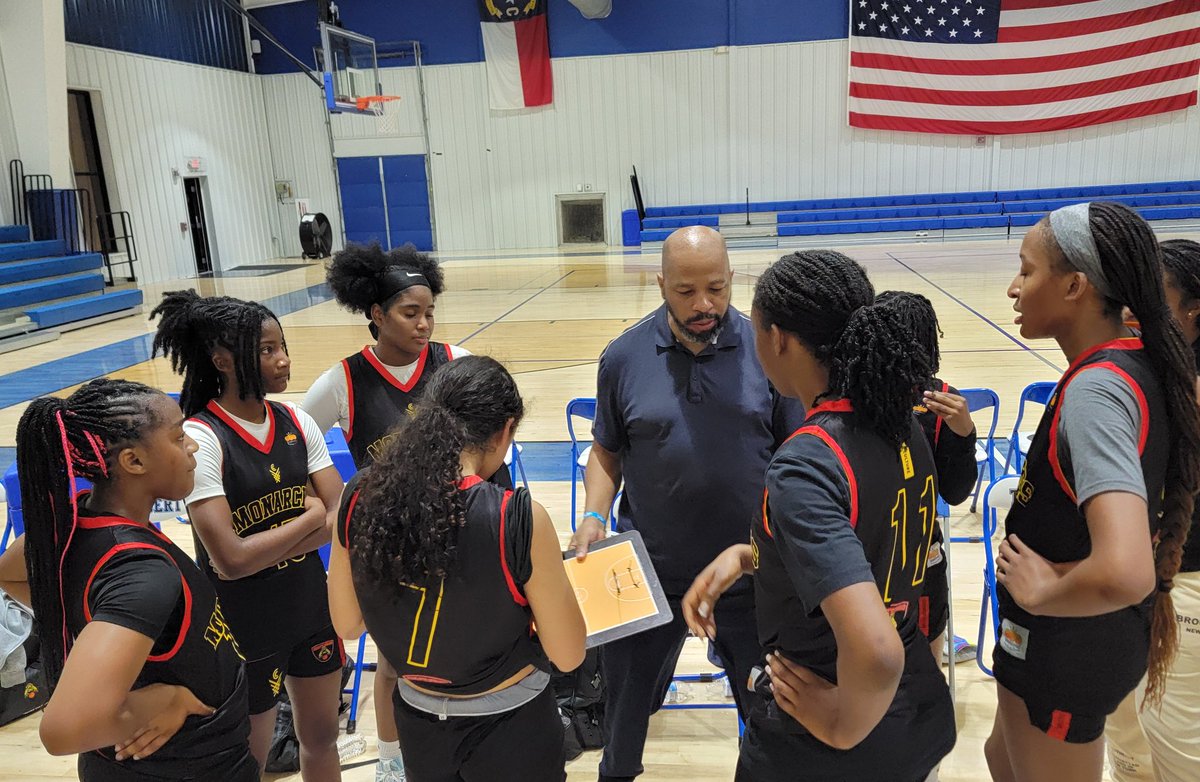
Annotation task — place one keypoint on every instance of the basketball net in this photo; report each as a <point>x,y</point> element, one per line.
<point>386,108</point>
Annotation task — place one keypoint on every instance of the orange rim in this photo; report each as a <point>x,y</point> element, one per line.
<point>365,102</point>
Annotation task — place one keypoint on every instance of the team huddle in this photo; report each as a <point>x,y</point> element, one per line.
<point>811,559</point>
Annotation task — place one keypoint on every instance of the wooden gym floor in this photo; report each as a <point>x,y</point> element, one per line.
<point>547,315</point>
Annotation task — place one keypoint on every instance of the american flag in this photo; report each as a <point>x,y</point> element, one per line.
<point>991,67</point>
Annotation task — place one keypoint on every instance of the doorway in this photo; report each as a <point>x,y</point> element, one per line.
<point>198,223</point>
<point>88,166</point>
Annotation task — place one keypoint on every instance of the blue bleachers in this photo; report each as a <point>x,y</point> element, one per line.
<point>44,284</point>
<point>82,309</point>
<point>24,251</point>
<point>14,233</point>
<point>1175,200</point>
<point>24,271</point>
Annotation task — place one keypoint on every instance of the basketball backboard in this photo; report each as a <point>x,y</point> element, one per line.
<point>350,70</point>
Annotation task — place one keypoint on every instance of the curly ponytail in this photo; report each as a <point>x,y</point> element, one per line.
<point>826,300</point>
<point>411,509</point>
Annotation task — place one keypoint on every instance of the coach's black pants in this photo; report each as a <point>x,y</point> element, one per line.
<point>522,745</point>
<point>638,669</point>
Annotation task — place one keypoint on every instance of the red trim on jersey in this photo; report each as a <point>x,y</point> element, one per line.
<point>228,420</point>
<point>766,522</point>
<point>937,426</point>
<point>449,355</point>
<point>296,420</point>
<point>834,406</point>
<point>825,437</point>
<point>184,624</point>
<point>517,597</point>
<point>349,513</point>
<point>382,369</point>
<point>349,400</point>
<point>1123,343</point>
<point>470,480</point>
<point>1060,725</point>
<point>923,615</point>
<point>1143,407</point>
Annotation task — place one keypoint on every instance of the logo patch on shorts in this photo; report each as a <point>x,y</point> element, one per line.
<point>31,691</point>
<point>1014,639</point>
<point>276,681</point>
<point>323,651</point>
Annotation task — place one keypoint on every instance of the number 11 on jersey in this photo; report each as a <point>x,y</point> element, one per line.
<point>900,538</point>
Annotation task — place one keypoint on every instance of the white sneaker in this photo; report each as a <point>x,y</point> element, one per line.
<point>390,770</point>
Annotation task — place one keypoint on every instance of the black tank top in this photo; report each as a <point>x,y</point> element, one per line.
<point>892,510</point>
<point>265,485</point>
<point>379,402</point>
<point>195,650</point>
<point>1085,665</point>
<point>892,497</point>
<point>472,630</point>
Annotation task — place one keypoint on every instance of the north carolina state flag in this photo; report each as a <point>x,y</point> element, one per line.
<point>517,49</point>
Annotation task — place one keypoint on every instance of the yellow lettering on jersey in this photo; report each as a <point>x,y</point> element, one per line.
<point>423,662</point>
<point>375,449</point>
<point>1024,492</point>
<point>267,507</point>
<point>906,461</point>
<point>218,630</point>
<point>754,552</point>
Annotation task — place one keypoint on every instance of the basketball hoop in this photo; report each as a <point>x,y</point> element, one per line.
<point>386,107</point>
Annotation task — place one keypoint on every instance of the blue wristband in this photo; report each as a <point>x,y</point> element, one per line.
<point>591,514</point>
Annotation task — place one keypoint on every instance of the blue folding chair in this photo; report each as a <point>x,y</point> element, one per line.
<point>985,452</point>
<point>996,498</point>
<point>14,522</point>
<point>515,465</point>
<point>585,408</point>
<point>1018,443</point>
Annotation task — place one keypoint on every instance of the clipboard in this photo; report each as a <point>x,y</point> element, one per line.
<point>618,591</point>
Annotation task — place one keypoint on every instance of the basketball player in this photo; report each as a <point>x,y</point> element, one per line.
<point>1093,539</point>
<point>840,553</point>
<point>373,392</point>
<point>146,679</point>
<point>447,572</point>
<point>257,528</point>
<point>1161,743</point>
<point>948,427</point>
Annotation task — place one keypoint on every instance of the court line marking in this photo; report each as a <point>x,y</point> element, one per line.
<point>487,326</point>
<point>978,314</point>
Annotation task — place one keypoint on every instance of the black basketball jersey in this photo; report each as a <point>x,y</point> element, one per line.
<point>379,402</point>
<point>893,496</point>
<point>470,631</point>
<point>1046,517</point>
<point>265,485</point>
<point>195,650</point>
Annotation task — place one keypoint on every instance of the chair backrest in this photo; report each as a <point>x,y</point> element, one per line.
<point>1035,393</point>
<point>580,407</point>
<point>339,451</point>
<point>982,399</point>
<point>998,497</point>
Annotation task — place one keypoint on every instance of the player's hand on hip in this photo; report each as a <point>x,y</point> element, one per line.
<point>159,730</point>
<point>587,532</point>
<point>701,599</point>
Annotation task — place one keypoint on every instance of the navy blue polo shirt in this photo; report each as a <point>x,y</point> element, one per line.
<point>694,433</point>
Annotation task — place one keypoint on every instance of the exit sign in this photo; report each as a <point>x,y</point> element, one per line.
<point>194,165</point>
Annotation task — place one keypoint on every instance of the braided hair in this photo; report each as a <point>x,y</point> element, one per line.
<point>59,440</point>
<point>921,321</point>
<point>826,300</point>
<point>1181,259</point>
<point>1131,263</point>
<point>356,276</point>
<point>191,327</point>
<point>410,509</point>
